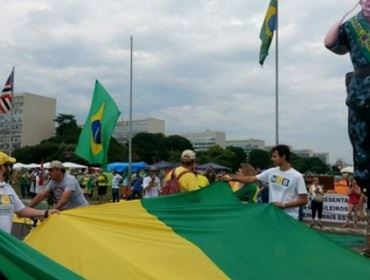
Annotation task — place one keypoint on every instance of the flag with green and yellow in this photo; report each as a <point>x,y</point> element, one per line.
<point>204,234</point>
<point>267,30</point>
<point>97,131</point>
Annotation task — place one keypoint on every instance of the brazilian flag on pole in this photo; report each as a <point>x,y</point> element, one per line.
<point>267,30</point>
<point>94,139</point>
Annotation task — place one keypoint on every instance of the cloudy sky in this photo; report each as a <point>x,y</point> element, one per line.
<point>195,64</point>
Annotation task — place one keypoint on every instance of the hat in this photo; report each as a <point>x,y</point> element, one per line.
<point>4,158</point>
<point>153,169</point>
<point>188,155</point>
<point>56,164</point>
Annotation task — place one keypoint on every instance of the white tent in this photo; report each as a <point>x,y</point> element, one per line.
<point>74,165</point>
<point>347,169</point>
<point>19,165</point>
<point>32,165</point>
<point>46,165</point>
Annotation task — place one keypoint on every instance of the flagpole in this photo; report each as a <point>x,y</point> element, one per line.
<point>277,76</point>
<point>11,116</point>
<point>130,126</point>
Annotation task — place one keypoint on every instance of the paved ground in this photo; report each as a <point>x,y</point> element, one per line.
<point>337,228</point>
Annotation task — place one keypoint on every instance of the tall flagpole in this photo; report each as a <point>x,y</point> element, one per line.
<point>130,127</point>
<point>277,75</point>
<point>11,117</point>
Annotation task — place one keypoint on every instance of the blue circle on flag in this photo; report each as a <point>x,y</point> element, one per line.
<point>96,131</point>
<point>272,23</point>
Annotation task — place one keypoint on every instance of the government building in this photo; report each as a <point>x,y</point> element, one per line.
<point>30,121</point>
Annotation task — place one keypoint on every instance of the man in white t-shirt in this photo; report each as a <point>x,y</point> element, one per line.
<point>151,184</point>
<point>9,200</point>
<point>287,189</point>
<point>116,183</point>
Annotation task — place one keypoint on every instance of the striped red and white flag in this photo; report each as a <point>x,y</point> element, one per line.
<point>6,97</point>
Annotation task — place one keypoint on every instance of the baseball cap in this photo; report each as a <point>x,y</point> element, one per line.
<point>153,169</point>
<point>188,155</point>
<point>4,158</point>
<point>56,164</point>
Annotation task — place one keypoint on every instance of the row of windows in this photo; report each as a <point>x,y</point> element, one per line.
<point>13,127</point>
<point>14,139</point>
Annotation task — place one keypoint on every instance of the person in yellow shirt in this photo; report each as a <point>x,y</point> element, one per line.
<point>201,179</point>
<point>187,179</point>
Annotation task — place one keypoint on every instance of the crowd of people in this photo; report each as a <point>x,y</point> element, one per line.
<point>285,187</point>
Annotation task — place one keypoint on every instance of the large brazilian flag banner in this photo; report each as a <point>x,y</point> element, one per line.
<point>205,234</point>
<point>94,140</point>
<point>20,261</point>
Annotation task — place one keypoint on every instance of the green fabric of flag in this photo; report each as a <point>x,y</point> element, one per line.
<point>254,241</point>
<point>20,261</point>
<point>204,234</point>
<point>267,30</point>
<point>94,140</point>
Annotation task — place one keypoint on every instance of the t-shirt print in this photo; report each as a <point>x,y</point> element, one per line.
<point>279,180</point>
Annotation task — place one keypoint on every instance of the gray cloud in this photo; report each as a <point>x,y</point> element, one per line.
<point>195,64</point>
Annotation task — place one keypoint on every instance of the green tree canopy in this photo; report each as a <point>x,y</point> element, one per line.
<point>217,155</point>
<point>67,129</point>
<point>240,156</point>
<point>149,147</point>
<point>175,144</point>
<point>317,166</point>
<point>260,159</point>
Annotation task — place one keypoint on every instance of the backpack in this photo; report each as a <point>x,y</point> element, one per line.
<point>172,185</point>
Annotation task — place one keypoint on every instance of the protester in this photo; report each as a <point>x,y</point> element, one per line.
<point>87,184</point>
<point>32,179</point>
<point>248,192</point>
<point>9,200</point>
<point>137,186</point>
<point>151,184</point>
<point>116,183</point>
<point>355,204</point>
<point>64,188</point>
<point>102,184</point>
<point>317,200</point>
<point>202,180</point>
<point>39,180</point>
<point>24,183</point>
<point>352,37</point>
<point>210,174</point>
<point>186,177</point>
<point>287,189</point>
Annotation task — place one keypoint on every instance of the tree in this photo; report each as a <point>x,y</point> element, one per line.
<point>174,145</point>
<point>177,143</point>
<point>203,157</point>
<point>260,159</point>
<point>149,147</point>
<point>240,156</point>
<point>317,166</point>
<point>67,128</point>
<point>220,156</point>
<point>299,163</point>
<point>117,152</point>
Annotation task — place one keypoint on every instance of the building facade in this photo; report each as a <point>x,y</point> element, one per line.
<point>202,141</point>
<point>247,145</point>
<point>148,125</point>
<point>30,122</point>
<point>306,153</point>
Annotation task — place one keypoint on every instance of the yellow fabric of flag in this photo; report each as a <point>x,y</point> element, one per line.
<point>123,242</point>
